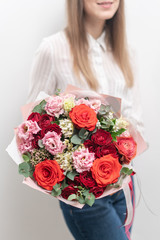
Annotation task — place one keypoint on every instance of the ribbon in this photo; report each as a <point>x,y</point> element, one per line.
<point>130,207</point>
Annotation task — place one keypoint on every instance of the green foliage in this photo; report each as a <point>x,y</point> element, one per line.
<point>75,139</point>
<point>115,134</point>
<point>83,133</point>
<point>104,109</point>
<point>26,156</point>
<point>57,92</point>
<point>56,190</point>
<point>71,175</point>
<point>40,107</point>
<point>72,197</point>
<point>90,199</point>
<point>81,199</point>
<point>64,184</point>
<point>126,171</point>
<point>26,169</point>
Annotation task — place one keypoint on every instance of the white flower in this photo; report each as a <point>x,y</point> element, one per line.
<point>120,123</point>
<point>67,127</point>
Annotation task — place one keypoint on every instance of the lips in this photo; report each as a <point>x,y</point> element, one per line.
<point>104,2</point>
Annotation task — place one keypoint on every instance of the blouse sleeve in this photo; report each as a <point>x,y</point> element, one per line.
<point>133,110</point>
<point>42,74</point>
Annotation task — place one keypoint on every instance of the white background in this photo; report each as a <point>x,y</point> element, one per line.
<point>26,213</point>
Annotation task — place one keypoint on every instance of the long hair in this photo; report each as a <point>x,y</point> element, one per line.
<point>115,38</point>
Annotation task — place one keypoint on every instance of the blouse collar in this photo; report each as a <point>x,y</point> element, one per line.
<point>93,42</point>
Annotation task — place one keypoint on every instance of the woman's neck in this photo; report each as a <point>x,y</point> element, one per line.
<point>94,26</point>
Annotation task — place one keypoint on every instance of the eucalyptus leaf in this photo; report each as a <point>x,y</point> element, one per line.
<point>56,187</point>
<point>86,192</point>
<point>76,140</point>
<point>83,133</point>
<point>55,193</point>
<point>64,184</point>
<point>71,175</point>
<point>95,130</point>
<point>90,199</point>
<point>26,157</point>
<point>40,107</point>
<point>81,199</point>
<point>26,169</point>
<point>72,197</point>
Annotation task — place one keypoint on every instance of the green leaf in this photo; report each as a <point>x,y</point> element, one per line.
<point>86,192</point>
<point>64,184</point>
<point>81,199</point>
<point>83,133</point>
<point>26,157</point>
<point>71,197</point>
<point>56,193</point>
<point>71,175</point>
<point>26,169</point>
<point>40,107</point>
<point>95,130</point>
<point>57,92</point>
<point>76,140</point>
<point>126,171</point>
<point>56,190</point>
<point>90,199</point>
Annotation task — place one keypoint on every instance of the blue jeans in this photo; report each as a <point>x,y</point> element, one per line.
<point>102,221</point>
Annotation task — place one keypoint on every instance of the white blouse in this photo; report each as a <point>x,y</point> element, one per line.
<point>52,69</point>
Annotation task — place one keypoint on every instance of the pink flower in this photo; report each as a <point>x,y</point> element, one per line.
<point>53,143</point>
<point>25,146</point>
<point>95,104</point>
<point>27,129</point>
<point>54,106</point>
<point>83,101</point>
<point>83,160</point>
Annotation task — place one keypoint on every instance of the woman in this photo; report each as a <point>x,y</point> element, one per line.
<point>91,52</point>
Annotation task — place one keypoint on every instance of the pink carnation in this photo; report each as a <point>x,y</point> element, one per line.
<point>54,106</point>
<point>53,143</point>
<point>95,104</point>
<point>27,129</point>
<point>83,160</point>
<point>25,146</point>
<point>83,101</point>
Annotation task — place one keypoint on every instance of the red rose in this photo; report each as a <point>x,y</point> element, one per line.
<point>52,127</point>
<point>35,140</point>
<point>76,181</point>
<point>48,173</point>
<point>127,147</point>
<point>34,116</point>
<point>45,121</point>
<point>87,179</point>
<point>101,137</point>
<point>97,191</point>
<point>106,149</point>
<point>106,170</point>
<point>90,145</point>
<point>67,191</point>
<point>83,117</point>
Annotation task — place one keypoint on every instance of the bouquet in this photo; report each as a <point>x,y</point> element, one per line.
<point>75,146</point>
